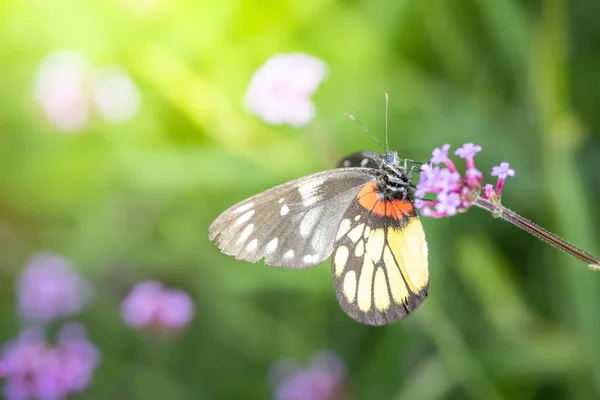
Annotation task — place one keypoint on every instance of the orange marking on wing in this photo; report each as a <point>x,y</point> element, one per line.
<point>403,207</point>
<point>368,197</point>
<point>390,210</point>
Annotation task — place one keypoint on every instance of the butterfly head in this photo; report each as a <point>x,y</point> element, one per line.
<point>391,158</point>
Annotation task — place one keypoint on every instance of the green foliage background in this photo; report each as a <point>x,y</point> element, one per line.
<point>507,317</point>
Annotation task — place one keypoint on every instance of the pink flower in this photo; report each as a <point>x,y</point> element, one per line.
<point>503,171</point>
<point>440,154</point>
<point>468,150</point>
<point>151,305</point>
<point>60,89</point>
<point>280,90</point>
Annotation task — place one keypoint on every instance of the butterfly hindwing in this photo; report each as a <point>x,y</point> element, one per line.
<point>364,159</point>
<point>379,263</point>
<point>292,225</point>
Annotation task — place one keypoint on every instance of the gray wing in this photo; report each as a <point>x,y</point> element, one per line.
<point>292,225</point>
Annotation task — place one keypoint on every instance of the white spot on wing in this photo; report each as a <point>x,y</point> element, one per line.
<point>367,231</point>
<point>360,249</point>
<point>339,259</point>
<point>284,210</point>
<point>280,200</point>
<point>289,255</point>
<point>310,258</point>
<point>364,285</point>
<point>375,243</point>
<point>308,191</point>
<point>271,246</point>
<point>343,229</point>
<point>244,218</point>
<point>245,234</point>
<point>349,286</point>
<point>309,221</point>
<point>357,217</point>
<point>243,208</point>
<point>346,163</point>
<point>364,162</point>
<point>252,245</point>
<point>356,233</point>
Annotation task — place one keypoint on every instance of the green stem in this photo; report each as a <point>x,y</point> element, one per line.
<point>498,210</point>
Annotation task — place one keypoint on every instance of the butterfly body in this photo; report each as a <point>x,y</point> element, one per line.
<point>360,214</point>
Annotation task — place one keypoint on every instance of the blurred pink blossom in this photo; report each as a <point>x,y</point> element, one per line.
<point>49,288</point>
<point>323,379</point>
<point>151,305</point>
<point>60,88</point>
<point>68,89</point>
<point>34,369</point>
<point>115,95</point>
<point>280,90</point>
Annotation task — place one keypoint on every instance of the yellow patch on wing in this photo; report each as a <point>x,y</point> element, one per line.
<point>397,287</point>
<point>410,251</point>
<point>382,268</point>
<point>380,291</point>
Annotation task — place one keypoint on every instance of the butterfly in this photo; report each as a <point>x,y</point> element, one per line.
<point>361,214</point>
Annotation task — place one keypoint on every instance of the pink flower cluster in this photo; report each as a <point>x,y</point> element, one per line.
<point>454,192</point>
<point>323,379</point>
<point>35,369</point>
<point>153,306</point>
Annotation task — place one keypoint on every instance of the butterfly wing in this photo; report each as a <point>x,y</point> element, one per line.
<point>364,159</point>
<point>292,225</point>
<point>379,263</point>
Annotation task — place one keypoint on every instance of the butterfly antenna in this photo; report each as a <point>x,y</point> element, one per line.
<point>353,118</point>
<point>387,147</point>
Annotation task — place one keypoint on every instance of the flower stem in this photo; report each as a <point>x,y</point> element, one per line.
<point>498,210</point>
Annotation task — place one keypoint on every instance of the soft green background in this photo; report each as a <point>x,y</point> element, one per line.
<point>507,317</point>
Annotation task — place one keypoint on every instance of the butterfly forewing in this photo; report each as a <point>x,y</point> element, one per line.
<point>379,263</point>
<point>292,225</point>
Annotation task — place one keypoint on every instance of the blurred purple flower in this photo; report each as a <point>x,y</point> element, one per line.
<point>35,370</point>
<point>49,288</point>
<point>151,305</point>
<point>61,91</point>
<point>115,95</point>
<point>280,90</point>
<point>323,379</point>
